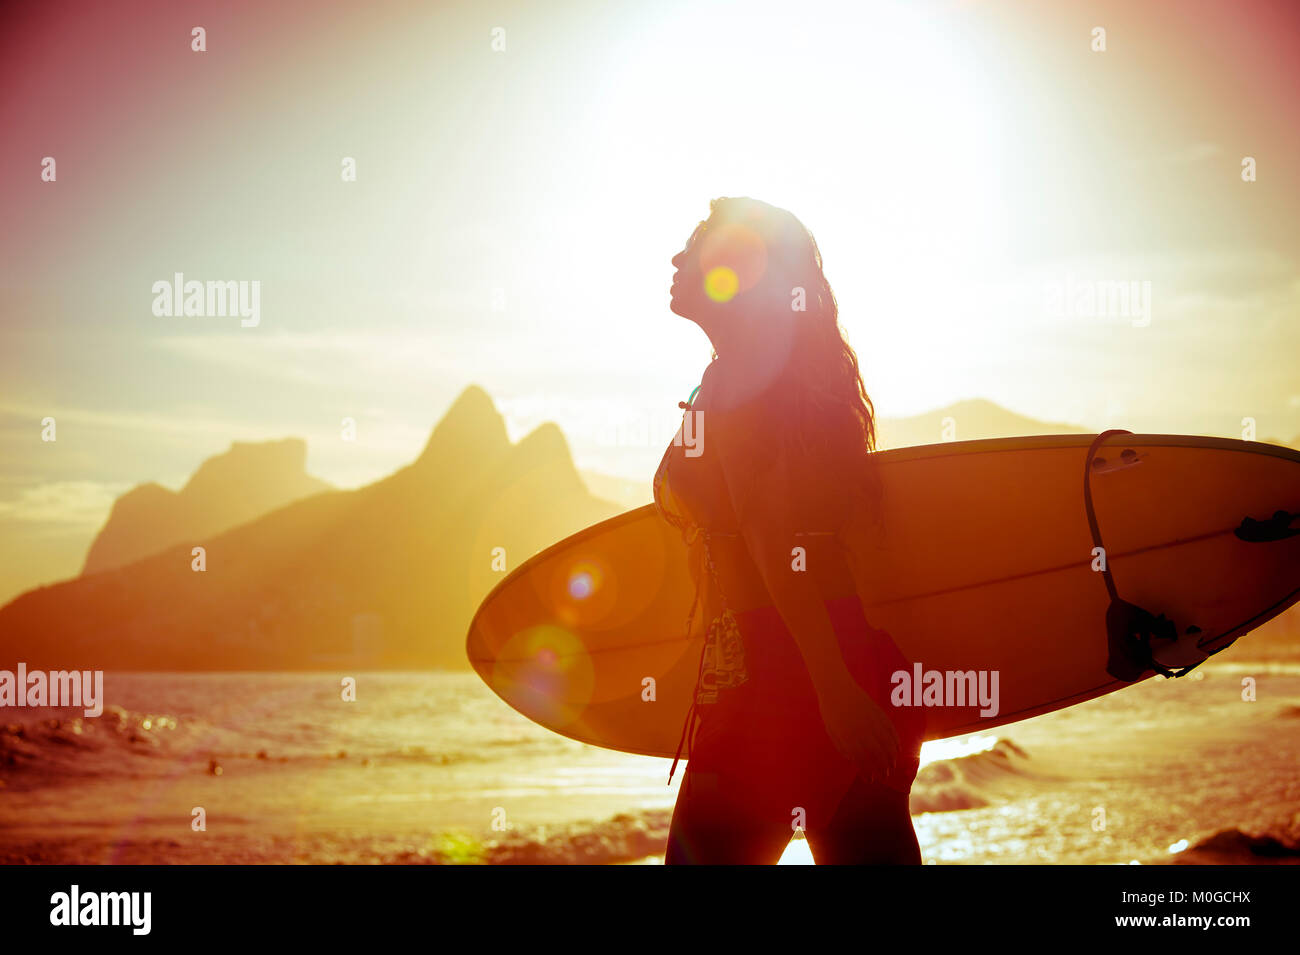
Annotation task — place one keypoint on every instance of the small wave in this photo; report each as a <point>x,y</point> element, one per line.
<point>122,742</point>
<point>71,745</point>
<point>971,782</point>
<point>1278,844</point>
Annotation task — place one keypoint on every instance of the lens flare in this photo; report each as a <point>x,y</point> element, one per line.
<point>584,580</point>
<point>546,674</point>
<point>733,259</point>
<point>721,284</point>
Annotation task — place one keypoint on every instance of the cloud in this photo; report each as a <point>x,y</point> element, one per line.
<point>134,421</point>
<point>78,503</point>
<point>383,358</point>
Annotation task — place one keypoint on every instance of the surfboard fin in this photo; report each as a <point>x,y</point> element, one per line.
<point>1129,632</point>
<point>1276,528</point>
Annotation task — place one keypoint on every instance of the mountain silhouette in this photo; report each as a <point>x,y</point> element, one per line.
<point>384,576</point>
<point>968,420</point>
<point>227,490</point>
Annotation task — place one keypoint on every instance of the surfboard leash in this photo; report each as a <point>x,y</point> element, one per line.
<point>1129,628</point>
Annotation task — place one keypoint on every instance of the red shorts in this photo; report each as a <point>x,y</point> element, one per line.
<point>764,741</point>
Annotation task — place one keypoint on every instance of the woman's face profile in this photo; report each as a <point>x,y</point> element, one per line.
<point>687,277</point>
<point>718,263</point>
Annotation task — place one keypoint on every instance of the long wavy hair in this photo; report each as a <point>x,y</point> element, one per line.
<point>810,390</point>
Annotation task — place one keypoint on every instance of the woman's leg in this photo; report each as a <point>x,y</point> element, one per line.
<point>871,826</point>
<point>717,822</point>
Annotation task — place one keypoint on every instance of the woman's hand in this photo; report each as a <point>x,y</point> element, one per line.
<point>860,730</point>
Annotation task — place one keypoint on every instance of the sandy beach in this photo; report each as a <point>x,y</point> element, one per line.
<point>432,768</point>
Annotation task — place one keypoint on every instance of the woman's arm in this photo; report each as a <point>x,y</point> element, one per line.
<point>761,488</point>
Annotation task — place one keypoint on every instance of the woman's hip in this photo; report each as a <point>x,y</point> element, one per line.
<point>778,701</point>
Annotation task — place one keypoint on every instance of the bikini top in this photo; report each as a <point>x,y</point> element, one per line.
<point>696,501</point>
<point>691,494</point>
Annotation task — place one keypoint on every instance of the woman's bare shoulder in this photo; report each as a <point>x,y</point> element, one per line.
<point>712,381</point>
<point>730,395</point>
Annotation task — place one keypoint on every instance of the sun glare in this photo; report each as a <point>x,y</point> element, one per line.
<point>860,150</point>
<point>955,748</point>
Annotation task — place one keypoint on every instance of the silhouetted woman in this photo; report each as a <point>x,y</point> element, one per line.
<point>771,483</point>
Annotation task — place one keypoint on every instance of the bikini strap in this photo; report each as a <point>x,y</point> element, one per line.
<point>689,727</point>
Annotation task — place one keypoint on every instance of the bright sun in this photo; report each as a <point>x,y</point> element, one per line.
<point>850,117</point>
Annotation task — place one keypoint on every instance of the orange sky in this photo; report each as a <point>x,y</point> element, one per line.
<point>515,212</point>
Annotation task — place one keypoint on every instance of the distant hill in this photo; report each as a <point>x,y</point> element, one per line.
<point>970,420</point>
<point>1293,443</point>
<point>387,575</point>
<point>227,490</point>
<point>627,493</point>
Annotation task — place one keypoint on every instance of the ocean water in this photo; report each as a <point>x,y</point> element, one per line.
<point>432,767</point>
